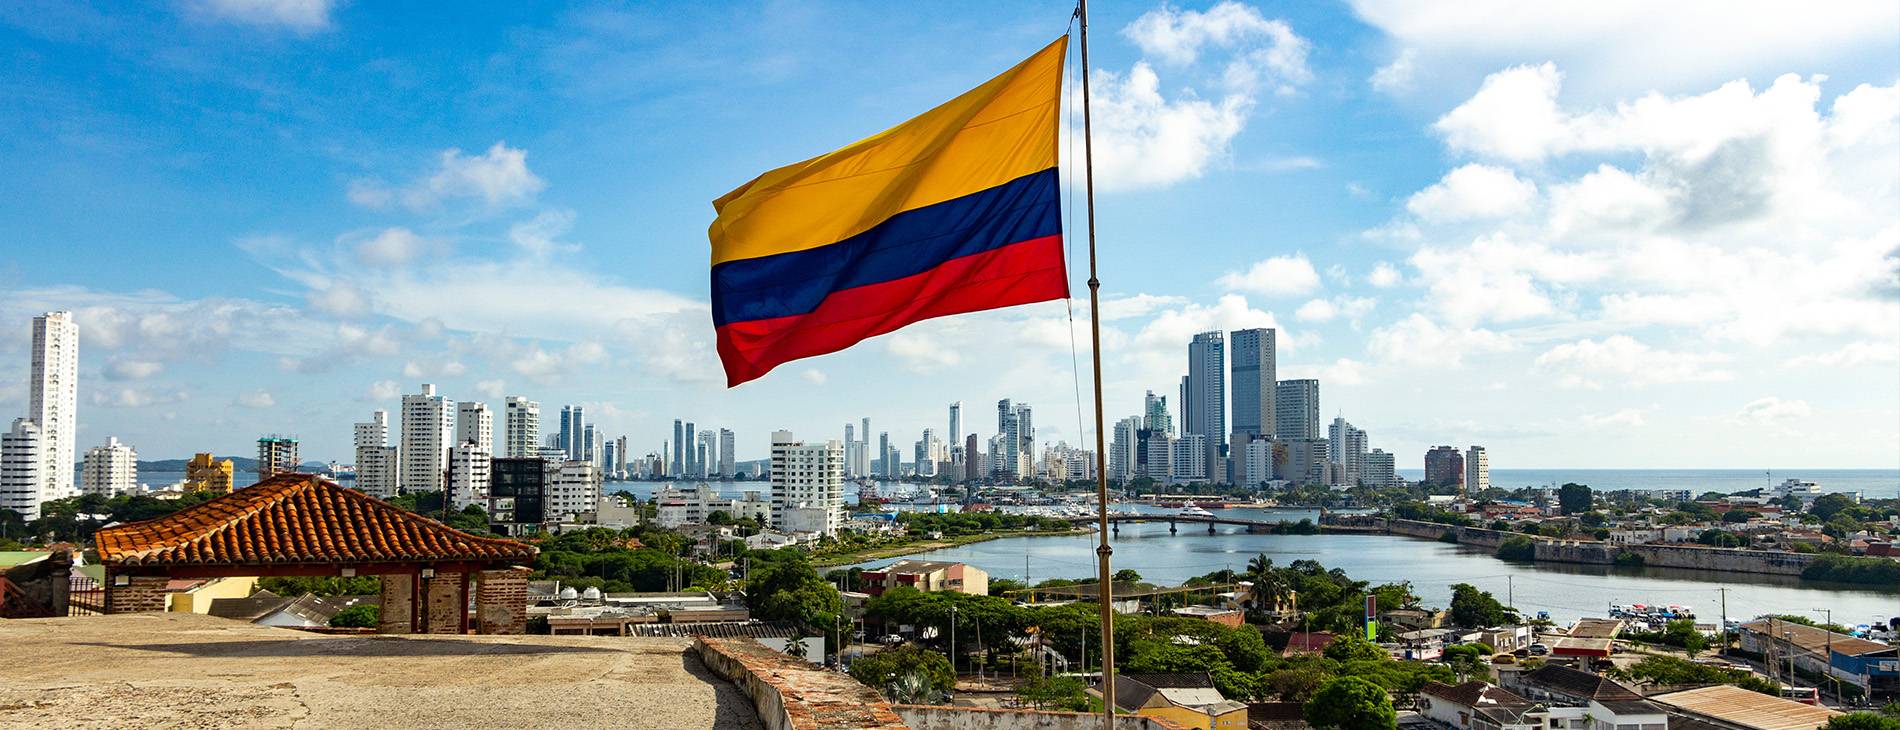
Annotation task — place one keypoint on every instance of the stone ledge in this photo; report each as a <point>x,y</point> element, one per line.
<point>791,694</point>
<point>938,717</point>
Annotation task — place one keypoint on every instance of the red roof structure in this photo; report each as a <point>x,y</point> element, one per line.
<point>295,520</point>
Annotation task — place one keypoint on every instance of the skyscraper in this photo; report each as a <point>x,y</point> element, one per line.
<point>1253,366</point>
<point>1122,449</point>
<point>1296,408</point>
<point>22,468</point>
<point>1204,402</point>
<point>276,455</point>
<point>807,485</point>
<point>1445,467</point>
<point>110,470</point>
<point>678,465</point>
<point>728,454</point>
<point>523,421</point>
<point>1477,470</point>
<point>1347,445</point>
<point>885,464</point>
<point>1379,469</point>
<point>376,461</point>
<point>972,459</point>
<point>53,400</point>
<point>428,432</point>
<point>956,422</point>
<point>470,475</point>
<point>1155,415</point>
<point>474,422</point>
<point>689,465</point>
<point>1014,423</point>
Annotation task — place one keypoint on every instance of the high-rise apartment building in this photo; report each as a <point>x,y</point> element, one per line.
<point>1204,403</point>
<point>1301,461</point>
<point>972,458</point>
<point>377,462</point>
<point>1121,449</point>
<point>1015,423</point>
<point>1379,469</point>
<point>807,480</point>
<point>207,473</point>
<point>276,455</point>
<point>1477,470</point>
<point>470,474</point>
<point>690,466</point>
<point>678,466</point>
<point>1254,460</point>
<point>53,400</point>
<point>1187,459</point>
<point>22,468</point>
<point>728,454</point>
<point>956,422</point>
<point>1347,445</point>
<point>474,422</point>
<point>1252,359</point>
<point>886,466</point>
<point>523,421</point>
<point>1155,416</point>
<point>110,470</point>
<point>1296,406</point>
<point>573,487</point>
<point>428,432</point>
<point>1445,467</point>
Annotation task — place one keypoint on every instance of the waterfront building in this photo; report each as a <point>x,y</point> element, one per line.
<point>1122,449</point>
<point>1445,467</point>
<point>928,452</point>
<point>53,400</point>
<point>706,451</point>
<point>573,438</point>
<point>609,454</point>
<point>1254,457</point>
<point>276,455</point>
<point>428,432</point>
<point>972,458</point>
<point>928,576</point>
<point>678,465</point>
<point>864,448</point>
<point>207,473</point>
<point>886,465</point>
<point>573,488</point>
<point>1347,445</point>
<point>1204,403</point>
<point>689,466</point>
<point>956,422</point>
<point>377,463</point>
<point>728,454</point>
<point>1256,399</point>
<point>110,470</point>
<point>523,423</point>
<point>810,477</point>
<point>997,466</point>
<point>1155,414</point>
<point>1296,408</point>
<point>470,474</point>
<point>1081,465</point>
<point>1157,456</point>
<point>1187,459</point>
<point>22,468</point>
<point>1378,469</point>
<point>1014,422</point>
<point>1477,470</point>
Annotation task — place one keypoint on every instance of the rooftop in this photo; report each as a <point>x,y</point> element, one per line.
<point>1578,683</point>
<point>1817,640</point>
<point>1743,708</point>
<point>296,519</point>
<point>189,670</point>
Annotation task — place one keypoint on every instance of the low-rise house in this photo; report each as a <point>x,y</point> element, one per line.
<point>1870,665</point>
<point>1728,707</point>
<point>1504,639</point>
<point>1226,617</point>
<point>928,576</point>
<point>1558,684</point>
<point>1606,714</point>
<point>1474,705</point>
<point>1413,619</point>
<point>1421,646</point>
<point>1188,700</point>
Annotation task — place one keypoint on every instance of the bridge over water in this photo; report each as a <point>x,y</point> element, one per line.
<point>1174,521</point>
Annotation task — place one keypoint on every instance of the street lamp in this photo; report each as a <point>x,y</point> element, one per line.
<point>1828,665</point>
<point>953,643</point>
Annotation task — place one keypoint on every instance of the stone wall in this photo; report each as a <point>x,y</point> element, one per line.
<point>43,585</point>
<point>932,717</point>
<point>445,610</point>
<point>140,593</point>
<point>398,602</point>
<point>790,694</point>
<point>501,601</point>
<point>1473,536</point>
<point>1694,557</point>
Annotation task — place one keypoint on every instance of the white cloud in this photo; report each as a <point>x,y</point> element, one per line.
<point>538,237</point>
<point>338,297</point>
<point>1613,45</point>
<point>1473,192</point>
<point>1586,363</point>
<point>131,397</point>
<point>1323,310</point>
<point>256,399</point>
<point>1178,37</point>
<point>385,390</point>
<point>1396,76</point>
<point>1384,276</point>
<point>497,178</point>
<point>813,376</point>
<point>492,388</point>
<point>1344,371</point>
<point>1418,341</point>
<point>1773,410</point>
<point>1851,355</point>
<point>1513,116</point>
<point>433,368</point>
<point>1625,418</point>
<point>391,247</point>
<point>1281,276</point>
<point>300,16</point>
<point>920,354</point>
<point>127,369</point>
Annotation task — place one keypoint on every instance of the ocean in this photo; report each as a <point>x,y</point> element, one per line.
<point>1871,483</point>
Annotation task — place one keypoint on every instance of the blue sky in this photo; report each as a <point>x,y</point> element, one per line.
<point>1600,234</point>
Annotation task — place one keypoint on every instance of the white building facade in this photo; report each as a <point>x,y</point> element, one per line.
<point>376,460</point>
<point>573,488</point>
<point>53,401</point>
<point>522,426</point>
<point>428,432</point>
<point>807,476</point>
<point>110,470</point>
<point>22,468</point>
<point>1477,470</point>
<point>469,474</point>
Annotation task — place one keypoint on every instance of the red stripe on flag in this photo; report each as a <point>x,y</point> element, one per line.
<point>1020,273</point>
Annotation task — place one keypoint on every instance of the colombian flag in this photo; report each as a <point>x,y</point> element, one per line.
<point>954,211</point>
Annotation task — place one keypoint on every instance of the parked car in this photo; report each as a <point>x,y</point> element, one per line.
<point>1539,650</point>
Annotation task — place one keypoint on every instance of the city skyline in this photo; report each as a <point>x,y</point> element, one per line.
<point>1685,267</point>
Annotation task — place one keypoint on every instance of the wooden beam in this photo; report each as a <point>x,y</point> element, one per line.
<point>298,569</point>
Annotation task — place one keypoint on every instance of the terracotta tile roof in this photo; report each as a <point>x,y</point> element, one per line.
<point>297,518</point>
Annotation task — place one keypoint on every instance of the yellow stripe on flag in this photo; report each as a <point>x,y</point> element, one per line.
<point>995,133</point>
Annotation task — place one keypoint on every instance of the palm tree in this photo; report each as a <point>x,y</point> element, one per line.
<point>910,688</point>
<point>795,646</point>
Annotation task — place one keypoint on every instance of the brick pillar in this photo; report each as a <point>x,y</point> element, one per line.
<point>445,606</point>
<point>140,593</point>
<point>398,600</point>
<point>501,601</point>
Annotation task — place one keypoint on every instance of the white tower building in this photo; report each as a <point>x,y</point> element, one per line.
<point>523,423</point>
<point>469,476</point>
<point>428,431</point>
<point>1477,470</point>
<point>22,468</point>
<point>110,470</point>
<point>376,460</point>
<point>807,485</point>
<point>53,400</point>
<point>474,422</point>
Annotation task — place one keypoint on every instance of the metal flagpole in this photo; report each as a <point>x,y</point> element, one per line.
<point>1102,550</point>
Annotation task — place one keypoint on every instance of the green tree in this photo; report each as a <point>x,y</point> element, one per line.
<point>1827,506</point>
<point>1862,721</point>
<point>884,669</point>
<point>359,616</point>
<point>1735,516</point>
<point>363,585</point>
<point>1127,575</point>
<point>1518,548</point>
<point>1353,647</point>
<point>1056,693</point>
<point>1573,498</point>
<point>1351,703</point>
<point>1474,608</point>
<point>1682,632</point>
